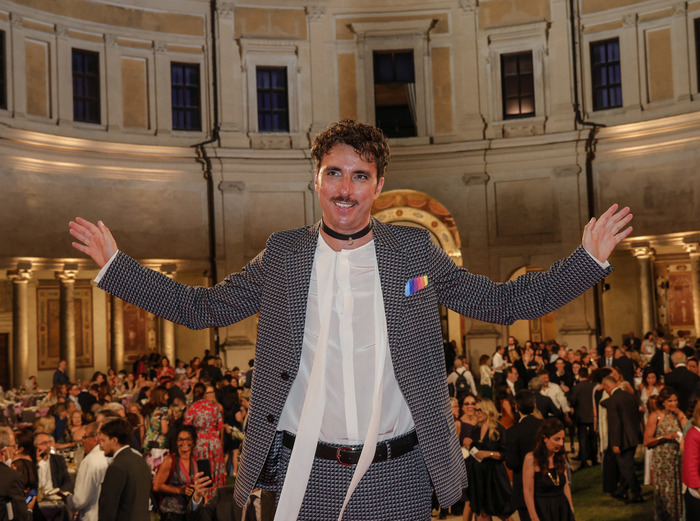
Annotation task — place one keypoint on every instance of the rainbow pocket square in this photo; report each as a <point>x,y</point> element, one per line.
<point>416,284</point>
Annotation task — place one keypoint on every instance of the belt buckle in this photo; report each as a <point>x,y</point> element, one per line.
<point>338,454</point>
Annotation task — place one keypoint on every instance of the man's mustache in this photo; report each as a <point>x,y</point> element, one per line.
<point>341,199</point>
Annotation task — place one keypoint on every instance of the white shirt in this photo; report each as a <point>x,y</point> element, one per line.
<point>44,472</point>
<point>88,482</point>
<point>499,364</point>
<point>557,395</point>
<point>350,368</point>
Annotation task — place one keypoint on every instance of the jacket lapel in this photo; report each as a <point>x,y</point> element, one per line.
<point>393,274</point>
<point>300,260</point>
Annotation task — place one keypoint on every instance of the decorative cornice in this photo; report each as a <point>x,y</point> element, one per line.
<point>475,179</point>
<point>231,186</point>
<point>468,5</point>
<point>22,273</point>
<point>111,40</point>
<point>629,20</point>
<point>16,20</point>
<point>642,252</point>
<point>61,31</point>
<point>225,9</point>
<point>680,9</point>
<point>160,47</point>
<point>315,13</point>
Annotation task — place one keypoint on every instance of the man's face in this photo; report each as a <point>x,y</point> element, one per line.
<point>513,374</point>
<point>43,444</point>
<point>559,364</point>
<point>8,452</point>
<point>90,440</point>
<point>511,341</point>
<point>108,445</point>
<point>62,365</point>
<point>347,186</point>
<point>608,351</point>
<point>545,379</point>
<point>666,348</point>
<point>692,366</point>
<point>74,390</point>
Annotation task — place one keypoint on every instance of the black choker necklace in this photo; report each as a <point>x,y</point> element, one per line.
<point>343,237</point>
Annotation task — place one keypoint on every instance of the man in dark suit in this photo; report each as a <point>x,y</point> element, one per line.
<point>624,364</point>
<point>11,482</point>
<point>56,463</point>
<point>682,380</point>
<point>126,487</point>
<point>520,439</point>
<point>661,361</point>
<point>581,400</point>
<point>409,277</point>
<point>632,342</point>
<point>624,434</point>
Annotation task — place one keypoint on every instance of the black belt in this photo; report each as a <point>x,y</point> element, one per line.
<point>351,455</point>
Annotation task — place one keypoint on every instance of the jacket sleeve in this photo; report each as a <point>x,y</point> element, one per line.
<point>15,496</point>
<point>528,297</point>
<point>196,307</point>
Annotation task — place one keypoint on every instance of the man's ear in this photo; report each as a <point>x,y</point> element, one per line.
<point>316,180</point>
<point>380,185</point>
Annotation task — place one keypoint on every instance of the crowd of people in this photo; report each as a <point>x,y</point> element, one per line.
<point>184,423</point>
<point>610,401</point>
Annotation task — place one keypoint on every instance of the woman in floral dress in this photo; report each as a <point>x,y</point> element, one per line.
<point>663,433</point>
<point>156,419</point>
<point>206,415</point>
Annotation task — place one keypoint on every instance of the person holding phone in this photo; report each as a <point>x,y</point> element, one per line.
<point>91,472</point>
<point>174,481</point>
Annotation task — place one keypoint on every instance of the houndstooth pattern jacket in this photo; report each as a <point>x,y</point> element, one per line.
<point>276,282</point>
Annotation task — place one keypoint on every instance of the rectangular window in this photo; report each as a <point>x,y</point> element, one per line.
<point>273,99</point>
<point>86,86</point>
<point>395,93</point>
<point>518,85</point>
<point>605,71</point>
<point>3,72</point>
<point>184,86</point>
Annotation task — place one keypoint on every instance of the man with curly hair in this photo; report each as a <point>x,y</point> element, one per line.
<point>341,424</point>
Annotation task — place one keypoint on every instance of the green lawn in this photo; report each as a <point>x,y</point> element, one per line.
<point>591,504</point>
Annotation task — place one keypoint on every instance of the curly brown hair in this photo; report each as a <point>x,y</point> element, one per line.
<point>367,140</point>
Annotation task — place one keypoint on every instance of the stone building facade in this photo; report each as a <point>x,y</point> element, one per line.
<point>513,123</point>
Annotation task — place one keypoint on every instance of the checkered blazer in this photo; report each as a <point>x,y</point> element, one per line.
<point>276,282</point>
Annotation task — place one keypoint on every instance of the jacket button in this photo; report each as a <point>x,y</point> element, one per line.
<point>285,376</point>
<point>270,418</point>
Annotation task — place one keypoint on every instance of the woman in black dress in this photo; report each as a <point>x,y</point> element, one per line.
<point>489,487</point>
<point>545,481</point>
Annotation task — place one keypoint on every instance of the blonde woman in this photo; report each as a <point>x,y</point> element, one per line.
<point>489,487</point>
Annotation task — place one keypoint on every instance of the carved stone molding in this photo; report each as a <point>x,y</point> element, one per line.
<point>225,9</point>
<point>643,252</point>
<point>22,273</point>
<point>169,270</point>
<point>68,274</point>
<point>692,248</point>
<point>567,171</point>
<point>61,31</point>
<point>231,186</point>
<point>468,5</point>
<point>629,20</point>
<point>475,179</point>
<point>111,40</point>
<point>680,9</point>
<point>315,13</point>
<point>16,20</point>
<point>160,47</point>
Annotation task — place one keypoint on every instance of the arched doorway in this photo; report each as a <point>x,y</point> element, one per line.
<point>413,208</point>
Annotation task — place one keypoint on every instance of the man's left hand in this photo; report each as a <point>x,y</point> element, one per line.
<point>600,236</point>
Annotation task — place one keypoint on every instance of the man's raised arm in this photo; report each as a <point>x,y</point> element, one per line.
<point>95,240</point>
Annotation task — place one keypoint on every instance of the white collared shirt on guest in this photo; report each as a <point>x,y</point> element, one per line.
<point>88,482</point>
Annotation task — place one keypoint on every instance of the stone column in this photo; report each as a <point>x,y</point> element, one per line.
<point>66,279</point>
<point>116,359</point>
<point>644,256</point>
<point>167,328</point>
<point>20,323</point>
<point>693,250</point>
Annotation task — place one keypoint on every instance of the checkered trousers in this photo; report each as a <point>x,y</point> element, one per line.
<point>393,490</point>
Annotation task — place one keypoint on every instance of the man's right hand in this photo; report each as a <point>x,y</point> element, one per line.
<point>95,240</point>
